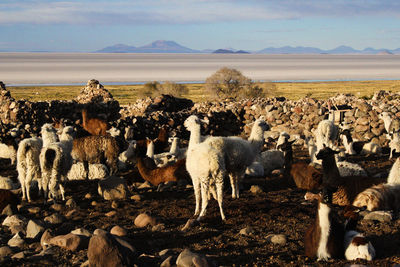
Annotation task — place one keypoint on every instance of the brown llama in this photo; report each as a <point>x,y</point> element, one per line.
<point>94,126</point>
<point>155,176</point>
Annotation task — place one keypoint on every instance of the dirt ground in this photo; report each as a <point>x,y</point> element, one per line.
<point>279,210</point>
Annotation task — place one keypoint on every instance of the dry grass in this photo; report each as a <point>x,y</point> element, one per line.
<point>126,94</point>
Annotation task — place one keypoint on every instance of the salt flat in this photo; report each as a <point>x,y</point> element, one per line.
<point>77,68</point>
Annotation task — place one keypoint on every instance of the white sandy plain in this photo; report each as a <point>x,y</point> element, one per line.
<point>77,68</point>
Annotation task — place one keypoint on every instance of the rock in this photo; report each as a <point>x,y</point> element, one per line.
<point>81,231</point>
<point>278,239</point>
<point>88,196</point>
<point>144,185</point>
<point>45,239</point>
<point>247,231</point>
<point>71,203</point>
<point>189,259</point>
<point>168,262</point>
<point>6,183</point>
<point>34,210</point>
<point>19,255</point>
<point>144,219</point>
<point>165,252</point>
<point>136,197</point>
<point>380,215</point>
<point>69,241</point>
<point>111,213</point>
<point>113,188</point>
<point>54,219</point>
<point>114,205</point>
<point>34,229</point>
<point>158,227</point>
<point>118,231</point>
<point>57,207</point>
<point>93,203</point>
<point>105,250</point>
<point>16,241</point>
<point>256,189</point>
<point>14,220</point>
<point>5,251</point>
<point>9,210</point>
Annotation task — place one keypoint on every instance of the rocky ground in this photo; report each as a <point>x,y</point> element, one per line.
<point>265,227</point>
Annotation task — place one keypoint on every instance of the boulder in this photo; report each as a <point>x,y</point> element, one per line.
<point>105,250</point>
<point>113,188</point>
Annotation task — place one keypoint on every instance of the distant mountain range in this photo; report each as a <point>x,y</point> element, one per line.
<point>162,46</point>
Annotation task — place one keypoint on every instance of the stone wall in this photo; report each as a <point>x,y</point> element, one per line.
<point>226,117</point>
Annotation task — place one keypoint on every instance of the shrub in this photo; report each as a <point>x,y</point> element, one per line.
<point>168,88</point>
<point>148,89</point>
<point>171,88</point>
<point>228,82</point>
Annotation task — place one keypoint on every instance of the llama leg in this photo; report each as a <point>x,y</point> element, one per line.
<point>196,188</point>
<point>233,186</point>
<point>220,194</point>
<point>62,191</point>
<point>28,182</point>
<point>86,167</point>
<point>204,199</point>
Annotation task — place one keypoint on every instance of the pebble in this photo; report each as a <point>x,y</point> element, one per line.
<point>247,231</point>
<point>81,231</point>
<point>111,213</point>
<point>382,216</point>
<point>34,210</point>
<point>54,219</point>
<point>19,255</point>
<point>88,196</point>
<point>256,189</point>
<point>136,197</point>
<point>16,241</point>
<point>278,239</point>
<point>57,207</point>
<point>5,251</point>
<point>71,203</point>
<point>118,231</point>
<point>94,203</point>
<point>144,219</point>
<point>145,185</point>
<point>114,205</point>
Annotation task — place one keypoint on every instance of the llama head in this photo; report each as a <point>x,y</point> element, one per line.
<point>262,124</point>
<point>67,132</point>
<point>286,146</point>
<point>193,121</point>
<point>326,152</point>
<point>114,132</point>
<point>48,128</point>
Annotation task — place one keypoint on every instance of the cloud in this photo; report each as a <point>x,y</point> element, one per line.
<point>184,11</point>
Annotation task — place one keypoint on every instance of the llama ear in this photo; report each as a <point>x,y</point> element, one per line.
<point>205,120</point>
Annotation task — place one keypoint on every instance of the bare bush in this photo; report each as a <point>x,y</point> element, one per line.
<point>228,82</point>
<point>167,88</point>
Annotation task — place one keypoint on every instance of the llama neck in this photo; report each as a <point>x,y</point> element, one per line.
<point>257,138</point>
<point>163,135</point>
<point>288,160</point>
<point>325,226</point>
<point>150,150</point>
<point>49,138</point>
<point>146,173</point>
<point>174,147</point>
<point>195,137</point>
<point>348,144</point>
<point>84,117</point>
<point>387,120</point>
<point>330,170</point>
<point>312,150</point>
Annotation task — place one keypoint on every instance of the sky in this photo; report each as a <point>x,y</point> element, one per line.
<point>89,25</point>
